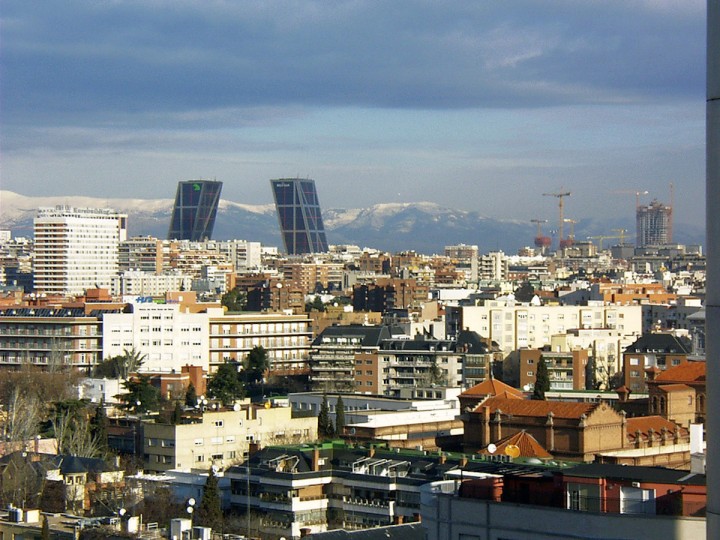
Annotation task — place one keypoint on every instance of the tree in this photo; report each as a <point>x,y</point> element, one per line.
<point>141,396</point>
<point>75,430</point>
<point>542,380</point>
<point>99,427</point>
<point>225,384</point>
<point>525,292</point>
<point>339,416</point>
<point>235,300</point>
<point>209,512</point>
<point>176,417</point>
<point>45,532</point>
<point>120,366</point>
<point>316,305</point>
<point>325,427</point>
<point>191,398</point>
<point>256,364</point>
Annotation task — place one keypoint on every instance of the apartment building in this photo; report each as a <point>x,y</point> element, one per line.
<point>331,486</point>
<point>76,248</point>
<point>652,353</point>
<point>45,337</point>
<point>286,338</point>
<point>411,363</point>
<point>514,326</point>
<point>567,370</point>
<point>167,336</point>
<point>222,437</point>
<point>139,283</point>
<point>335,352</point>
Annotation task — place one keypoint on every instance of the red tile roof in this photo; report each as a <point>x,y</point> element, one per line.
<point>643,424</point>
<point>492,387</point>
<point>685,372</point>
<point>537,408</point>
<point>528,445</point>
<point>674,388</point>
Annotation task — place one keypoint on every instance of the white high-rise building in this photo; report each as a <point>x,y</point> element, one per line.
<point>76,248</point>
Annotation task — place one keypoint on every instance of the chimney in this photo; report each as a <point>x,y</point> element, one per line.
<point>463,460</point>
<point>372,450</point>
<point>443,458</point>
<point>316,459</point>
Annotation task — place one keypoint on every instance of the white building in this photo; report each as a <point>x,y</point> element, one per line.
<point>169,338</point>
<point>494,266</point>
<point>76,248</point>
<point>139,283</point>
<point>514,326</point>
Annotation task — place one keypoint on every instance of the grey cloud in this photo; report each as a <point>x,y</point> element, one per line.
<point>89,62</point>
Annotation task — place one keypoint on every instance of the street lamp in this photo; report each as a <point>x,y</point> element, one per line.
<point>190,509</point>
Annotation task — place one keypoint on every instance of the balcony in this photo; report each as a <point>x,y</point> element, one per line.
<point>376,507</point>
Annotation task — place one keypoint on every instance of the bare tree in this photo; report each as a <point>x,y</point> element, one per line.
<point>74,434</point>
<point>23,415</point>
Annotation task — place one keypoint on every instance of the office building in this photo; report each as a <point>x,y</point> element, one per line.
<point>196,203</point>
<point>654,224</point>
<point>299,216</point>
<point>76,249</point>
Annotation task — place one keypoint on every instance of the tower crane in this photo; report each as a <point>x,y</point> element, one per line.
<point>604,237</point>
<point>561,206</point>
<point>570,240</point>
<point>541,241</point>
<point>635,192</point>
<point>621,234</point>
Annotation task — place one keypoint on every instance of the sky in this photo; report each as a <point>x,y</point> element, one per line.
<point>474,105</point>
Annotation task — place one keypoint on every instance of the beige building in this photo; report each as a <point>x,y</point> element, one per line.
<point>286,338</point>
<point>222,437</point>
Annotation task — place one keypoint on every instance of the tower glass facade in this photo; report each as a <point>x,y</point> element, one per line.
<point>196,204</point>
<point>299,216</point>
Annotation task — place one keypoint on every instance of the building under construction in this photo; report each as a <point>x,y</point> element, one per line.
<point>654,224</point>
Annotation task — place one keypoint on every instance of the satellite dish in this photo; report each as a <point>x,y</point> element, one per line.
<point>512,450</point>
<point>526,388</point>
<point>492,448</point>
<point>236,407</point>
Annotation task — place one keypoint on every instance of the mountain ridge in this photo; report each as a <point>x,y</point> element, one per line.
<point>425,227</point>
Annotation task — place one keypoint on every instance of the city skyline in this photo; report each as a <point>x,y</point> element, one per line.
<point>476,106</point>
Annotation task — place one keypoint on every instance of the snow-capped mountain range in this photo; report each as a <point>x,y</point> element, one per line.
<point>425,227</point>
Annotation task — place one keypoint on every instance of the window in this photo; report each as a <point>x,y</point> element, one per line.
<point>218,423</point>
<point>199,442</point>
<point>530,373</point>
<point>531,361</point>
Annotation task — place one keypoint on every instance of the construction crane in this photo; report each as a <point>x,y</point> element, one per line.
<point>605,237</point>
<point>637,194</point>
<point>570,240</point>
<point>542,242</point>
<point>561,206</point>
<point>621,234</point>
